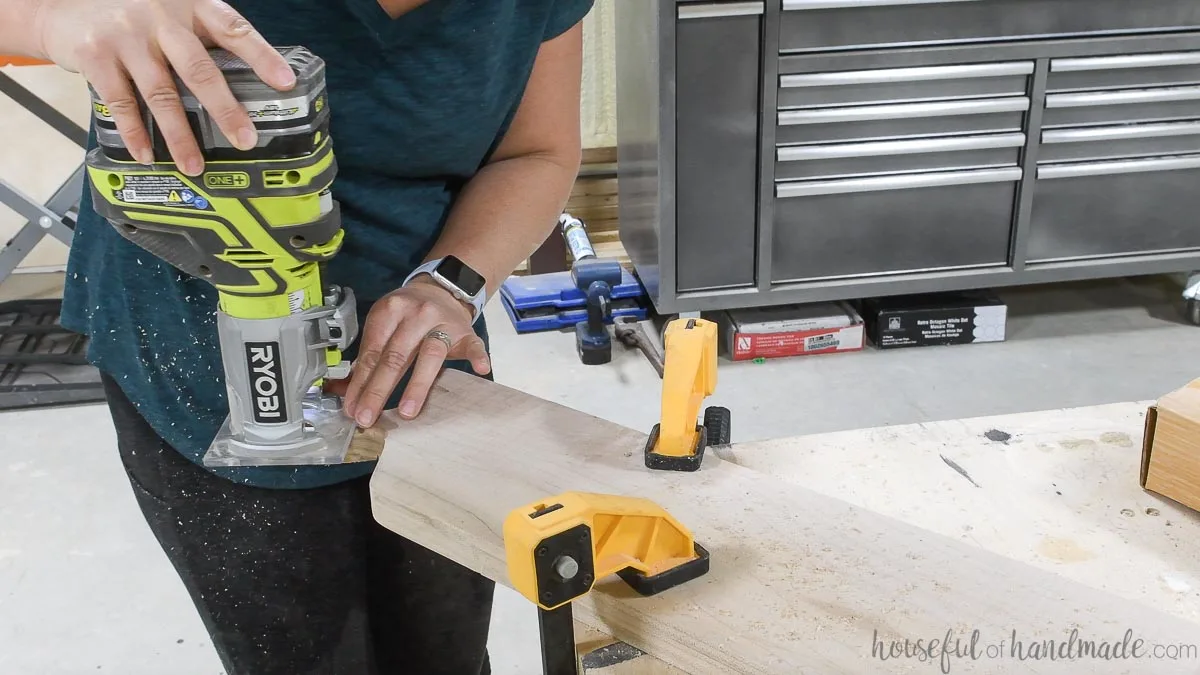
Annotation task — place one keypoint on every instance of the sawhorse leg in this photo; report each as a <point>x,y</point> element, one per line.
<point>40,220</point>
<point>57,217</point>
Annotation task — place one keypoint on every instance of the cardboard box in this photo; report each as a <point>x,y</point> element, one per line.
<point>935,319</point>
<point>791,330</point>
<point>1171,447</point>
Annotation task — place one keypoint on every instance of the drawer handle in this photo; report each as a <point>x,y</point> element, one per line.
<point>1118,167</point>
<point>1121,133</point>
<point>906,75</point>
<point>1118,62</point>
<point>902,111</point>
<point>845,4</point>
<point>1122,97</point>
<point>720,9</point>
<point>910,147</point>
<point>881,183</point>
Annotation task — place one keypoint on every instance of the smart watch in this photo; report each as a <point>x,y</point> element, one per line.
<point>457,277</point>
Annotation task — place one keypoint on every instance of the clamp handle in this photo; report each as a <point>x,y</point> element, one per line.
<point>558,548</point>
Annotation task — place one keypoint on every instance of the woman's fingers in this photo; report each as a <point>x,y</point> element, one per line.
<point>398,335</point>
<point>116,93</point>
<point>471,348</point>
<point>153,79</point>
<point>136,50</point>
<point>230,30</point>
<point>431,356</point>
<point>197,70</point>
<point>377,332</point>
<point>388,369</point>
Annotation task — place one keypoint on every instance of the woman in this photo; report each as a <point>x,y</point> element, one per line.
<point>456,130</point>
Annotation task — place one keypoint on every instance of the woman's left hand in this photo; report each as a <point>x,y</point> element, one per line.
<point>419,326</point>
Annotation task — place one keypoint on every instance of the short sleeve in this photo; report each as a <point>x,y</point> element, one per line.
<point>564,14</point>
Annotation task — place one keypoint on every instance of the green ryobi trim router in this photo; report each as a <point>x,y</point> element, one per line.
<point>258,225</point>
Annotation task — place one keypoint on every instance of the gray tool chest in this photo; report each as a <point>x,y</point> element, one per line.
<point>806,150</point>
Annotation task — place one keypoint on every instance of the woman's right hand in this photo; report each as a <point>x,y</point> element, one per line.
<point>120,46</point>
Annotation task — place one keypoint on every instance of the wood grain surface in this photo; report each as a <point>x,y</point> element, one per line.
<point>800,582</point>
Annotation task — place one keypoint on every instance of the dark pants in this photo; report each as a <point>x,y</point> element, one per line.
<point>303,582</point>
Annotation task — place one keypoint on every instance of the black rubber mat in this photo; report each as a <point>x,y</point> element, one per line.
<point>43,364</point>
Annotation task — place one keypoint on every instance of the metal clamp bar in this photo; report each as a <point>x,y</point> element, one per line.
<point>903,111</point>
<point>1118,167</point>
<point>907,147</point>
<point>851,4</point>
<point>1121,133</point>
<point>924,74</point>
<point>710,10</point>
<point>1098,98</point>
<point>902,182</point>
<point>1129,61</point>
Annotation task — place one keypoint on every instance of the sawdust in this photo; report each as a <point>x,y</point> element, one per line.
<point>1117,438</point>
<point>1063,550</point>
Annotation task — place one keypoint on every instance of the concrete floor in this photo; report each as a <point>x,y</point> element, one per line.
<point>84,588</point>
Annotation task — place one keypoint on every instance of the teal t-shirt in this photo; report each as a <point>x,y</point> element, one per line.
<point>417,105</point>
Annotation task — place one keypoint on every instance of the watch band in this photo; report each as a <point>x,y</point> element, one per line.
<point>477,301</point>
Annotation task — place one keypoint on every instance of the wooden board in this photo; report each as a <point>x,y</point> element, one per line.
<point>800,582</point>
<point>1055,489</point>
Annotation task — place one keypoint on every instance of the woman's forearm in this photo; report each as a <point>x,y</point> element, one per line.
<point>20,28</point>
<point>505,213</point>
<point>512,204</point>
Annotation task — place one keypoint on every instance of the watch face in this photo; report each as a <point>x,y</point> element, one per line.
<point>456,272</point>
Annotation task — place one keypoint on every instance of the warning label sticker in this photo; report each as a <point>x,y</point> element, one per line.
<point>296,301</point>
<point>160,190</point>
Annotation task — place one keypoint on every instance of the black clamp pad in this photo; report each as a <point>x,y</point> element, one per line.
<point>652,585</point>
<point>670,463</point>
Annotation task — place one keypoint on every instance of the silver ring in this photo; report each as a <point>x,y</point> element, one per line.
<point>441,335</point>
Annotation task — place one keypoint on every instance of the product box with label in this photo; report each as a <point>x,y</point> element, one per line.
<point>791,330</point>
<point>1171,447</point>
<point>935,319</point>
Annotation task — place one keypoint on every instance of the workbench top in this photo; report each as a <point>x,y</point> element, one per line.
<point>1054,489</point>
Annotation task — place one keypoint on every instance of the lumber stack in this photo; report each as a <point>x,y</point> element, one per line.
<point>594,201</point>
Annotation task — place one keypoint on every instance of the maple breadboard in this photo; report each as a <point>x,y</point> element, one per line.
<point>800,582</point>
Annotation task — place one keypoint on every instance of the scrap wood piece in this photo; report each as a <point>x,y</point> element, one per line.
<point>800,582</point>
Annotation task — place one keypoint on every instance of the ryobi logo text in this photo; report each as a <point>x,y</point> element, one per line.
<point>266,382</point>
<point>227,179</point>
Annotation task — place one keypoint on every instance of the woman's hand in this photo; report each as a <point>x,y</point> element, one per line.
<point>396,336</point>
<point>123,45</point>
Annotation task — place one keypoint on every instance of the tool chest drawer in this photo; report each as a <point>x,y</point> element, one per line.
<point>883,157</point>
<point>717,150</point>
<point>1122,106</point>
<point>901,120</point>
<point>809,25</point>
<point>900,85</point>
<point>890,224</point>
<point>1136,71</point>
<point>1119,142</point>
<point>1102,209</point>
